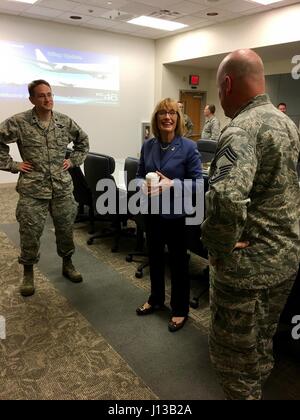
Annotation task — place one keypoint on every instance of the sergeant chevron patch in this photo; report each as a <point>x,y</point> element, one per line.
<point>224,162</point>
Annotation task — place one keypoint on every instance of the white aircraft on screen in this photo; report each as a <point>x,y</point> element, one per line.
<point>72,68</point>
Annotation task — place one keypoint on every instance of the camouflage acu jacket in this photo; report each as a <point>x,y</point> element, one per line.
<point>211,129</point>
<point>45,149</point>
<point>188,125</point>
<point>254,196</point>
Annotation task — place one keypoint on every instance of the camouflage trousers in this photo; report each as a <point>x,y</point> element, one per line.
<point>32,213</point>
<point>243,323</point>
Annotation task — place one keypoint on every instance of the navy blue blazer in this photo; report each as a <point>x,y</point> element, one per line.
<point>180,162</point>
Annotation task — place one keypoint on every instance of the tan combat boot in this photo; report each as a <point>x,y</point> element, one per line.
<point>69,271</point>
<point>27,286</point>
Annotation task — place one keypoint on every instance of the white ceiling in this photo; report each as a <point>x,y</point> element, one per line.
<point>113,15</point>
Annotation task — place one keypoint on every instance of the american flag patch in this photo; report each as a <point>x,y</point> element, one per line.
<point>224,162</point>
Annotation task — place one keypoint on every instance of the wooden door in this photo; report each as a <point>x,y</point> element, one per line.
<point>192,107</point>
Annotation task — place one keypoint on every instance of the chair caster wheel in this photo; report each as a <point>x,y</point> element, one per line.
<point>128,258</point>
<point>90,241</point>
<point>138,274</point>
<point>194,303</point>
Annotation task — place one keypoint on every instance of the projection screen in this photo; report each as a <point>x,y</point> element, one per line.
<point>77,77</point>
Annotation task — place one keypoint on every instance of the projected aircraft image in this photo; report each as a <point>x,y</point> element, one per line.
<point>76,76</point>
<point>67,68</point>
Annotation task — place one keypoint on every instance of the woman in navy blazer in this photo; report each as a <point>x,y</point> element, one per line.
<point>175,159</point>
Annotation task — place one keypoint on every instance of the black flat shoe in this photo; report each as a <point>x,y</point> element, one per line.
<point>146,311</point>
<point>175,326</point>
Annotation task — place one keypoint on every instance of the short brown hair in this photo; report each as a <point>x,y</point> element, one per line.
<point>281,103</point>
<point>36,83</point>
<point>212,108</point>
<point>167,104</point>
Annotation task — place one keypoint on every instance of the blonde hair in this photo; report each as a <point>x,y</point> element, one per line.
<point>167,104</point>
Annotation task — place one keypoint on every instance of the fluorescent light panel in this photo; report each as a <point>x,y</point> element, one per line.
<point>24,1</point>
<point>150,22</point>
<point>265,2</point>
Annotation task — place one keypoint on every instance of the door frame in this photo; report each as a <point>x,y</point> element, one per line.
<point>203,95</point>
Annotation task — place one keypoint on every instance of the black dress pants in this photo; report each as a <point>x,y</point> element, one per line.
<point>170,232</point>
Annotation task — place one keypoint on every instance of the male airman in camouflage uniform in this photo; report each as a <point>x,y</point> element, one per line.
<point>211,129</point>
<point>252,227</point>
<point>44,183</point>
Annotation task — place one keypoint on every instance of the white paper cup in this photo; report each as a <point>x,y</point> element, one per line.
<point>152,178</point>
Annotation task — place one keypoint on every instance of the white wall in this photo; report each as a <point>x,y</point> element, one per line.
<point>274,27</point>
<point>175,78</point>
<point>146,70</point>
<point>112,130</point>
<point>261,30</point>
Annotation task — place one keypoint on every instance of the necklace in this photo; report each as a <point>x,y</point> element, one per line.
<point>165,147</point>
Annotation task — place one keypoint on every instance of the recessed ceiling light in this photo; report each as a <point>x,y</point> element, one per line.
<point>265,2</point>
<point>25,1</point>
<point>212,14</point>
<point>75,17</point>
<point>150,22</point>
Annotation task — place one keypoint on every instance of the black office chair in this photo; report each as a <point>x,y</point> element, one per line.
<point>130,169</point>
<point>194,244</point>
<point>97,167</point>
<point>82,194</point>
<point>207,149</point>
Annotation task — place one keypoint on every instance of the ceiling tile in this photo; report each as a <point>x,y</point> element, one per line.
<point>40,17</point>
<point>59,4</point>
<point>286,3</point>
<point>128,27</point>
<point>124,27</point>
<point>153,32</point>
<point>238,6</point>
<point>101,23</point>
<point>222,14</point>
<point>203,24</point>
<point>11,12</point>
<point>190,20</point>
<point>114,4</point>
<point>161,4</point>
<point>13,6</point>
<point>66,17</point>
<point>42,11</point>
<point>257,9</point>
<point>212,3</point>
<point>187,7</point>
<point>142,35</point>
<point>91,11</point>
<point>138,8</point>
<point>193,12</point>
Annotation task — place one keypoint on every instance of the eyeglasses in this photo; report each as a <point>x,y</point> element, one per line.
<point>163,113</point>
<point>48,95</point>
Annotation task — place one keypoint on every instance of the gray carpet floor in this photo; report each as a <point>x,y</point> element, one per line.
<point>51,352</point>
<point>174,366</point>
<point>85,341</point>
